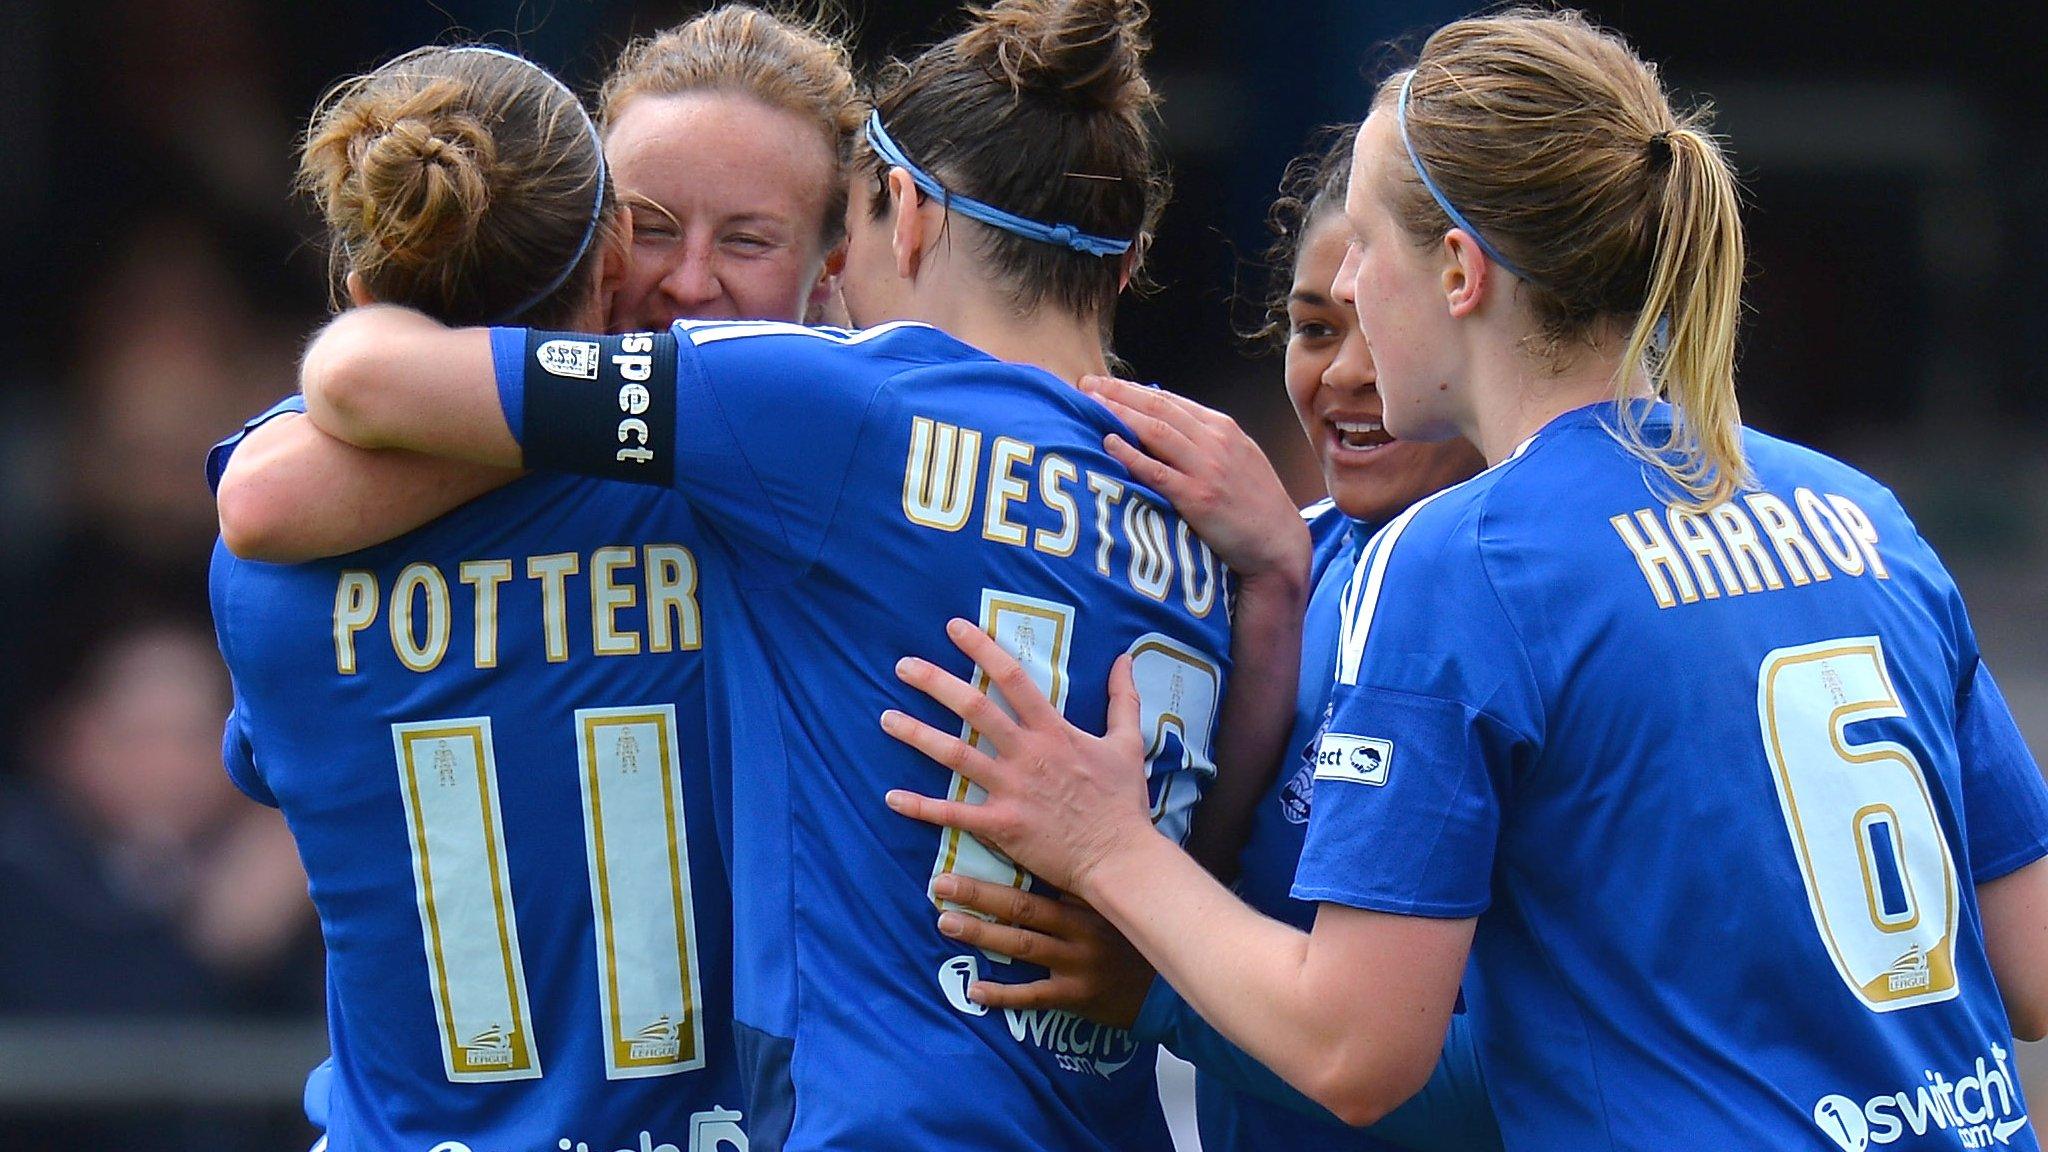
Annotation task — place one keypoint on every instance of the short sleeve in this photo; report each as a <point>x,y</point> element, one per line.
<point>2005,800</point>
<point>217,457</point>
<point>755,424</point>
<point>238,756</point>
<point>1431,717</point>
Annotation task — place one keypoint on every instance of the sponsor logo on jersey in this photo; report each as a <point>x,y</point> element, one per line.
<point>575,359</point>
<point>716,1129</point>
<point>956,975</point>
<point>1980,1109</point>
<point>1356,759</point>
<point>1076,1043</point>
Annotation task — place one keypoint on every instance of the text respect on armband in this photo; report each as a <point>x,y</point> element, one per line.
<point>422,609</point>
<point>948,465</point>
<point>1758,542</point>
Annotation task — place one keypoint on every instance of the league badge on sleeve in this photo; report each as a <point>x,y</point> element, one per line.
<point>576,359</point>
<point>1355,759</point>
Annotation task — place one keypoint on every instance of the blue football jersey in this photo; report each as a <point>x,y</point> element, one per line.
<point>489,739</point>
<point>1719,786</point>
<point>1231,1119</point>
<point>871,486</point>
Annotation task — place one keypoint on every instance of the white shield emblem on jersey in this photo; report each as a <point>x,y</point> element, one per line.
<point>1354,759</point>
<point>572,358</point>
<point>956,975</point>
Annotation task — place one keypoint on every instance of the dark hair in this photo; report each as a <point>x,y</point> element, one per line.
<point>1311,188</point>
<point>462,182</point>
<point>796,63</point>
<point>1040,108</point>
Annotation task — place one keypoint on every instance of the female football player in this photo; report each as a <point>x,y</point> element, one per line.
<point>868,484</point>
<point>1678,732</point>
<point>1371,478</point>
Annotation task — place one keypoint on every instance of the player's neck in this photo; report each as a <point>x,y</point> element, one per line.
<point>1050,338</point>
<point>1517,395</point>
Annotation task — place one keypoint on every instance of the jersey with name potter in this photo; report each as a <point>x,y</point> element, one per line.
<point>488,737</point>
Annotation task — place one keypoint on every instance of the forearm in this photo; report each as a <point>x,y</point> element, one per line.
<point>1451,1114</point>
<point>2015,912</point>
<point>1357,1044</point>
<point>1257,713</point>
<point>291,493</point>
<point>386,377</point>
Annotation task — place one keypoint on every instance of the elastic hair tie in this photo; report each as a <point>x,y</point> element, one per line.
<point>1443,201</point>
<point>1061,235</point>
<point>596,207</point>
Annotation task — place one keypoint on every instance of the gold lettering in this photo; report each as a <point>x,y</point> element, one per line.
<point>1194,553</point>
<point>484,576</point>
<point>1108,492</point>
<point>1003,487</point>
<point>1827,531</point>
<point>1863,531</point>
<point>1657,557</point>
<point>1701,547</point>
<point>1151,563</point>
<point>355,608</point>
<point>1758,571</point>
<point>938,474</point>
<point>1051,473</point>
<point>552,570</point>
<point>1795,551</point>
<point>606,598</point>
<point>673,618</point>
<point>420,656</point>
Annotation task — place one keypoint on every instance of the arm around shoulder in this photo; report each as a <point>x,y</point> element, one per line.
<point>389,377</point>
<point>292,494</point>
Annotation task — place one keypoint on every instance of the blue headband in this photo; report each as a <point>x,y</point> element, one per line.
<point>1062,235</point>
<point>596,207</point>
<point>1442,201</point>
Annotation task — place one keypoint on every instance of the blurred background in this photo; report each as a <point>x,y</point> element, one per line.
<point>160,980</point>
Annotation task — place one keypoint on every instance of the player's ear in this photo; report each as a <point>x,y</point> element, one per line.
<point>1466,272</point>
<point>820,307</point>
<point>907,234</point>
<point>358,292</point>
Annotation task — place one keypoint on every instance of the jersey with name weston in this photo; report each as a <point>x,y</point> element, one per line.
<point>488,737</point>
<point>873,485</point>
<point>1719,784</point>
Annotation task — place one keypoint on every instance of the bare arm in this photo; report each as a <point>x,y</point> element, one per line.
<point>292,493</point>
<point>388,377</point>
<point>1353,1013</point>
<point>2015,909</point>
<point>1224,487</point>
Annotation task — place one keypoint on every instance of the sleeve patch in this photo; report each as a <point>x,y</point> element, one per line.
<point>1354,759</point>
<point>601,406</point>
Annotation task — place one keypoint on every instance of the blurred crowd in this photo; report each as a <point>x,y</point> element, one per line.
<point>159,282</point>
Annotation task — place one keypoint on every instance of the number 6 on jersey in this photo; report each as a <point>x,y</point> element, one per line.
<point>1880,879</point>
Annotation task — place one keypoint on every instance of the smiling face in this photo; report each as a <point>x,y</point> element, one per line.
<point>1398,290</point>
<point>728,197</point>
<point>1332,383</point>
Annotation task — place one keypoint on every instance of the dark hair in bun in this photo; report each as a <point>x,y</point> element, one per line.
<point>1041,108</point>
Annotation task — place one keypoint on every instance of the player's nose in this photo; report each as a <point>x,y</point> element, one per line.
<point>692,284</point>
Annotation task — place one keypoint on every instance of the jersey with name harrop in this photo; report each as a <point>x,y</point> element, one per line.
<point>1719,784</point>
<point>873,485</point>
<point>488,737</point>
